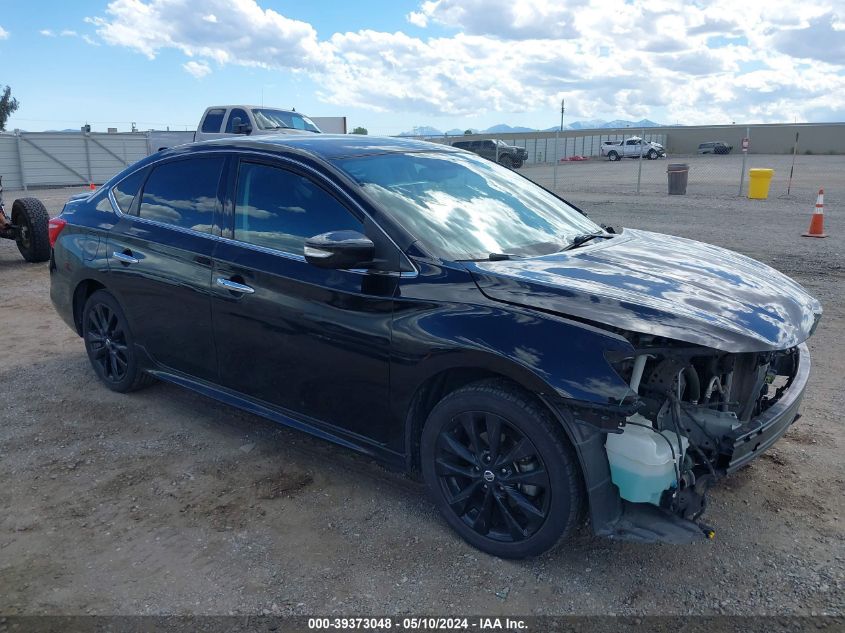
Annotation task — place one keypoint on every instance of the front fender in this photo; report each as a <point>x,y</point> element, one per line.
<point>547,354</point>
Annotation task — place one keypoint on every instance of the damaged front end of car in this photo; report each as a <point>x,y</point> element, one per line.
<point>715,365</point>
<point>693,415</point>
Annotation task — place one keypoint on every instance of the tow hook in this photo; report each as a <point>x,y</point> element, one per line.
<point>709,532</point>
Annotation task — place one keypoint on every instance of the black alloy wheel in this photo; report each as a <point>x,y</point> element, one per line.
<point>492,476</point>
<point>110,345</point>
<point>106,342</point>
<point>500,470</point>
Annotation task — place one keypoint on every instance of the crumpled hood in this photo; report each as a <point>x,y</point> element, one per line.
<point>663,285</point>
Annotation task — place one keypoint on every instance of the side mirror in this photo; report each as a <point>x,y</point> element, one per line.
<point>238,127</point>
<point>339,250</point>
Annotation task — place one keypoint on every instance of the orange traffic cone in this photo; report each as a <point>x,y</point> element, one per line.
<point>817,221</point>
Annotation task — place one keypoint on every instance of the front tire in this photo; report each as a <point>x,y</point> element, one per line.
<point>33,237</point>
<point>110,345</point>
<point>651,154</point>
<point>500,470</point>
<point>506,161</point>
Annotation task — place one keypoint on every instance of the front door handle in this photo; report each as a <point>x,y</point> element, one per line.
<point>125,258</point>
<point>234,286</point>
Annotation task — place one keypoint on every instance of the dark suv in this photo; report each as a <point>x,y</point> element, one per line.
<point>444,315</point>
<point>495,150</point>
<point>714,147</point>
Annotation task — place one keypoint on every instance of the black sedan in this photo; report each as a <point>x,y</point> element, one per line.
<point>447,316</point>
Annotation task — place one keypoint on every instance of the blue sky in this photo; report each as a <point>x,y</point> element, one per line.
<point>392,65</point>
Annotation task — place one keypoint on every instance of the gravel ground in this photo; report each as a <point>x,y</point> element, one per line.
<point>165,502</point>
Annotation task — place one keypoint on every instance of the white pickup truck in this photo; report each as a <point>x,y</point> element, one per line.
<point>633,147</point>
<point>232,120</point>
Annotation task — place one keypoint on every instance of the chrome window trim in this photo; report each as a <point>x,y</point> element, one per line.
<point>321,179</point>
<point>271,251</point>
<point>138,218</point>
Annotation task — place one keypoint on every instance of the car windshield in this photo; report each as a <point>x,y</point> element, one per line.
<point>267,119</point>
<point>462,206</point>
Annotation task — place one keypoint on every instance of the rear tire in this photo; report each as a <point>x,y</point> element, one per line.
<point>110,344</point>
<point>500,470</point>
<point>612,156</point>
<point>34,236</point>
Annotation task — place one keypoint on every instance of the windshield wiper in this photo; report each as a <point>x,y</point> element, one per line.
<point>493,257</point>
<point>583,238</point>
<point>497,257</point>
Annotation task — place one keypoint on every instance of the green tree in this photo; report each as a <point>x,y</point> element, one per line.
<point>467,132</point>
<point>8,104</point>
<point>360,130</point>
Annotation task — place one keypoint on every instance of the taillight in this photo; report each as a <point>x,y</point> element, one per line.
<point>54,227</point>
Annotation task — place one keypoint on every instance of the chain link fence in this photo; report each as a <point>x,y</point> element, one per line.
<point>584,162</point>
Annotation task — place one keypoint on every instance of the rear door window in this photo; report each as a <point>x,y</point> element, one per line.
<point>183,193</point>
<point>280,209</point>
<point>125,191</point>
<point>213,120</point>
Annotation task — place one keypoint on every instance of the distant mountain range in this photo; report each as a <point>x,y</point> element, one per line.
<point>504,128</point>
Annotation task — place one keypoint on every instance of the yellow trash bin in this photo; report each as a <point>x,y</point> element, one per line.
<point>758,183</point>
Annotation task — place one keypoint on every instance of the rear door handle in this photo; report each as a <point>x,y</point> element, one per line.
<point>234,286</point>
<point>125,258</point>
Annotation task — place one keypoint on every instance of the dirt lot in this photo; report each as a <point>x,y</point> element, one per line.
<point>166,502</point>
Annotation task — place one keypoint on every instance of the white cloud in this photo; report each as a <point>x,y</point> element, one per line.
<point>417,19</point>
<point>507,19</point>
<point>249,35</point>
<point>4,34</point>
<point>697,62</point>
<point>822,38</point>
<point>197,69</point>
<point>70,33</point>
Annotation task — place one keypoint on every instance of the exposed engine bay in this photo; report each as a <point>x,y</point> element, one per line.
<point>697,411</point>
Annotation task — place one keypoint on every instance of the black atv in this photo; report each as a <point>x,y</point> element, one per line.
<point>27,226</point>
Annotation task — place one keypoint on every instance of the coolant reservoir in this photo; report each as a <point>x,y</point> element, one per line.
<point>641,463</point>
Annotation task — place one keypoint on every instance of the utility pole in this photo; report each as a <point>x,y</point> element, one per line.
<point>557,134</point>
<point>562,110</point>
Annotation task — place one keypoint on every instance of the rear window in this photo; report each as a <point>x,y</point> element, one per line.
<point>183,193</point>
<point>125,191</point>
<point>213,120</point>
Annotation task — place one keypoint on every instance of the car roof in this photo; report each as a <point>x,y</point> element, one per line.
<point>251,107</point>
<point>327,146</point>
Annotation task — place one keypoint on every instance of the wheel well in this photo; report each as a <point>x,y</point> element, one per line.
<point>432,391</point>
<point>84,290</point>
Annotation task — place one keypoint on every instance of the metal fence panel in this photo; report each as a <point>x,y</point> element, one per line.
<point>32,159</point>
<point>9,164</point>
